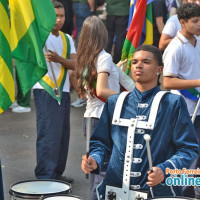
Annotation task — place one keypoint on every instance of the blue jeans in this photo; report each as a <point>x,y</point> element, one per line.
<point>82,11</point>
<point>53,133</point>
<point>1,184</point>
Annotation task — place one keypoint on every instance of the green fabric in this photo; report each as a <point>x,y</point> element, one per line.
<point>5,100</point>
<point>117,7</point>
<point>29,56</point>
<point>194,91</point>
<point>29,59</point>
<point>5,51</point>
<point>22,100</point>
<point>7,93</point>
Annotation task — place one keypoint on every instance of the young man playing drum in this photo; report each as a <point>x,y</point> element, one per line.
<point>173,140</point>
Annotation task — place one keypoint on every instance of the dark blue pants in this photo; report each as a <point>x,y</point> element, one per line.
<point>189,191</point>
<point>1,185</point>
<point>116,26</point>
<point>82,11</point>
<point>53,133</point>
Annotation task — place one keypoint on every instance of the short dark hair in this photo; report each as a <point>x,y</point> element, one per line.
<point>188,10</point>
<point>154,50</point>
<point>57,4</point>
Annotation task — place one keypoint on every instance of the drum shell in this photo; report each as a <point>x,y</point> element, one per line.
<point>172,198</point>
<point>15,195</point>
<point>62,197</point>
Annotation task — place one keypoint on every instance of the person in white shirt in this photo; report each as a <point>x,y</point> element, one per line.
<point>181,63</point>
<point>97,77</point>
<point>53,109</point>
<point>171,28</point>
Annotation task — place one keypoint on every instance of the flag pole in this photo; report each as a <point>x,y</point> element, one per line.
<point>56,89</point>
<point>195,110</point>
<point>88,132</point>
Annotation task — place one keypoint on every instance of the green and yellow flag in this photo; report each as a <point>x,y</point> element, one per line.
<point>7,87</point>
<point>31,23</point>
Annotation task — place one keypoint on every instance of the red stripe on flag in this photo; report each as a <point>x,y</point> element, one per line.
<point>136,26</point>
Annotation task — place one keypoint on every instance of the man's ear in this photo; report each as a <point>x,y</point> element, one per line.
<point>182,22</point>
<point>160,69</point>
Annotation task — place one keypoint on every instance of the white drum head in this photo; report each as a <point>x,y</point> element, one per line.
<point>40,187</point>
<point>63,198</point>
<point>172,198</point>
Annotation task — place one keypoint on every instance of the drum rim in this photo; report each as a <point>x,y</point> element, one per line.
<point>12,192</point>
<point>171,197</point>
<point>64,196</point>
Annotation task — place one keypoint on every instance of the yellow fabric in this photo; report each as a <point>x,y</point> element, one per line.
<point>149,31</point>
<point>21,17</point>
<point>7,80</point>
<point>1,110</point>
<point>62,70</point>
<point>4,24</point>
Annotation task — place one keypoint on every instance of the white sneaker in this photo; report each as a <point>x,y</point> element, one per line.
<point>20,109</point>
<point>78,103</point>
<point>14,105</point>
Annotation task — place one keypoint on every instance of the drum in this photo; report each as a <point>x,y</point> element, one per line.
<point>172,198</point>
<point>63,197</point>
<point>38,189</point>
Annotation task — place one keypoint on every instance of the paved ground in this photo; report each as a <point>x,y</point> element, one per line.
<point>17,149</point>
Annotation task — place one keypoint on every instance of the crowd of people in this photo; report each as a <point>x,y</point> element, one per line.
<point>88,55</point>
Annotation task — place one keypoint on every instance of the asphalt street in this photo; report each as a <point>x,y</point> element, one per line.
<point>18,149</point>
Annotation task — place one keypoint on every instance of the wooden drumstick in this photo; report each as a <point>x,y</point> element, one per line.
<point>147,137</point>
<point>195,111</point>
<point>56,90</point>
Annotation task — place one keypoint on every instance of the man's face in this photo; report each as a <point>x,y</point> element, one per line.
<point>192,25</point>
<point>60,13</point>
<point>144,67</point>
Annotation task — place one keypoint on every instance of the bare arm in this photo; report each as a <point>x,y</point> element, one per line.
<point>179,84</point>
<point>102,89</point>
<point>91,4</point>
<point>160,24</point>
<point>164,41</point>
<point>52,56</point>
<point>172,11</point>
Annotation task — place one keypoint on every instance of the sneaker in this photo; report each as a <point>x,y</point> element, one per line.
<point>20,109</point>
<point>65,178</point>
<point>79,103</point>
<point>14,105</point>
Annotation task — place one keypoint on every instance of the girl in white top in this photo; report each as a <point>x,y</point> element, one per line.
<point>97,76</point>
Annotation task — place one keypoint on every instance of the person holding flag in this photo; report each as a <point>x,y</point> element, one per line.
<point>52,102</point>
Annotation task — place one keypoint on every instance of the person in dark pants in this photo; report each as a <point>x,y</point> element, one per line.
<point>1,185</point>
<point>117,23</point>
<point>53,117</point>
